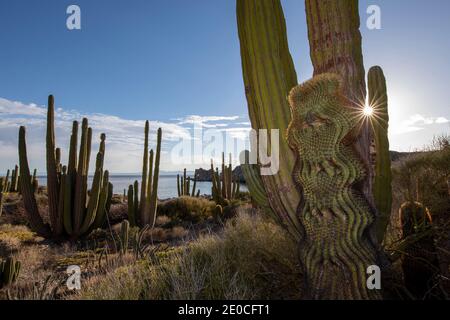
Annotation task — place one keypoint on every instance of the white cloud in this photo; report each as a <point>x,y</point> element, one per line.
<point>418,122</point>
<point>124,137</point>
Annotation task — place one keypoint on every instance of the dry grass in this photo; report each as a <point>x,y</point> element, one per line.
<point>250,259</point>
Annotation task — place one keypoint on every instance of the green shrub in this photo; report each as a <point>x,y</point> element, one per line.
<point>186,208</point>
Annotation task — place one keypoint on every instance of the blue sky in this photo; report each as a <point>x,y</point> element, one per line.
<point>177,62</point>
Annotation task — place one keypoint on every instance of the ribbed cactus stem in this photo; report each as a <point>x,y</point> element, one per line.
<point>337,249</point>
<point>382,188</point>
<point>124,236</point>
<point>335,47</point>
<point>131,208</point>
<point>144,170</point>
<point>269,75</point>
<point>52,170</point>
<point>81,178</point>
<point>151,215</point>
<point>29,200</point>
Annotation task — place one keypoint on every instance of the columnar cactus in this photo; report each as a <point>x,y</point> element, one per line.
<point>73,210</point>
<point>183,186</point>
<point>147,204</point>
<point>14,180</point>
<point>9,271</point>
<point>224,187</point>
<point>269,75</point>
<point>335,217</point>
<point>124,235</point>
<point>255,185</point>
<point>382,189</point>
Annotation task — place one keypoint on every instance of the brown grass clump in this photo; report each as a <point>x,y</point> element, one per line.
<point>251,259</point>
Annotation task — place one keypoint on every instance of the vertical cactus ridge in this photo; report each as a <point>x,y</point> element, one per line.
<point>335,47</point>
<point>102,202</point>
<point>52,169</point>
<point>29,200</point>
<point>151,215</point>
<point>145,160</point>
<point>382,188</point>
<point>79,197</point>
<point>269,75</point>
<point>334,215</point>
<point>255,185</point>
<point>131,204</point>
<point>124,236</point>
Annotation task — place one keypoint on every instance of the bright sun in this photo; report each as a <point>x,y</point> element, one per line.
<point>368,111</point>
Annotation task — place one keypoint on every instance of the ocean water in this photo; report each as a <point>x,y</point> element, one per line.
<point>167,185</point>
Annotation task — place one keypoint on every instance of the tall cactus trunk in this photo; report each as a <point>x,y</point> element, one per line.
<point>52,171</point>
<point>382,188</point>
<point>335,47</point>
<point>31,208</point>
<point>269,75</point>
<point>144,172</point>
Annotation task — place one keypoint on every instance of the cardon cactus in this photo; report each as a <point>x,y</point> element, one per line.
<point>419,256</point>
<point>14,180</point>
<point>269,75</point>
<point>124,235</point>
<point>255,185</point>
<point>183,186</point>
<point>382,188</point>
<point>224,186</point>
<point>335,218</point>
<point>142,211</point>
<point>9,271</point>
<point>73,209</point>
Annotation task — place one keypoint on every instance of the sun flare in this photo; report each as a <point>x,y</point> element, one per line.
<point>368,111</point>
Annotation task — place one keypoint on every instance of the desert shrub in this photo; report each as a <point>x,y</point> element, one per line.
<point>250,259</point>
<point>186,208</point>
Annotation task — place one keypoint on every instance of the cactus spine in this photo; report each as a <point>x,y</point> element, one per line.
<point>382,189</point>
<point>224,187</point>
<point>73,212</point>
<point>142,211</point>
<point>183,186</point>
<point>9,271</point>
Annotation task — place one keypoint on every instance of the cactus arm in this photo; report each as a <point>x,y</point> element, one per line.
<point>101,211</point>
<point>136,200</point>
<point>151,217</point>
<point>144,192</point>
<point>52,170</point>
<point>80,192</point>
<point>130,202</point>
<point>382,188</point>
<point>178,185</point>
<point>92,208</point>
<point>29,200</point>
<point>269,75</point>
<point>193,188</point>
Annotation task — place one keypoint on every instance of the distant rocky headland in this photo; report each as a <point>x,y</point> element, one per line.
<point>205,175</point>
